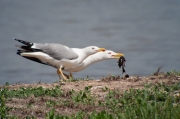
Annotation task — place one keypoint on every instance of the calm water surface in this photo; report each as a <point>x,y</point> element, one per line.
<point>147,32</point>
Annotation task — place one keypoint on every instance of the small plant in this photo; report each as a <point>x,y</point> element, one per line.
<point>105,89</point>
<point>50,103</point>
<point>52,115</point>
<point>173,72</point>
<point>110,78</point>
<point>27,117</point>
<point>83,96</point>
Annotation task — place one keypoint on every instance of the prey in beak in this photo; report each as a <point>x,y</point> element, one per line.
<point>122,63</point>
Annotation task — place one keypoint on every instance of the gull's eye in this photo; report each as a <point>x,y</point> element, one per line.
<point>93,48</point>
<point>109,52</point>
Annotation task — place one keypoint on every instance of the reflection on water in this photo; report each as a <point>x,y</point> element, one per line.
<point>147,32</point>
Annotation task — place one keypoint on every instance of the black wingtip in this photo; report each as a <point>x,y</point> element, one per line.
<point>18,40</point>
<point>15,39</point>
<point>19,52</point>
<point>24,42</point>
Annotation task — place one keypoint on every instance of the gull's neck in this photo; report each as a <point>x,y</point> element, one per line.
<point>93,59</point>
<point>74,62</point>
<point>82,53</point>
<point>88,61</point>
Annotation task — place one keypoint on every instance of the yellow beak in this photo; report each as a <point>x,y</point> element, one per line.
<point>118,55</point>
<point>101,50</point>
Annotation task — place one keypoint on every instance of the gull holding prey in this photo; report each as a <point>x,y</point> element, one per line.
<point>56,55</point>
<point>106,55</point>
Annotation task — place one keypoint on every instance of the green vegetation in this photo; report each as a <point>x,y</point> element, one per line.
<point>3,108</point>
<point>39,91</point>
<point>158,101</point>
<point>153,102</point>
<point>173,72</point>
<point>83,96</point>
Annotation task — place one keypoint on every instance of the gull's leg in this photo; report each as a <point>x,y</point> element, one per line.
<point>59,75</point>
<point>60,70</point>
<point>70,75</point>
<point>66,75</point>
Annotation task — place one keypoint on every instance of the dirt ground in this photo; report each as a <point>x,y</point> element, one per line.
<point>39,109</point>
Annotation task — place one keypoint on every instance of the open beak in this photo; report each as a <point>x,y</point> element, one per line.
<point>117,55</point>
<point>101,50</point>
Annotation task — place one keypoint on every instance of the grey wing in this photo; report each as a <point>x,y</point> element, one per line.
<point>57,51</point>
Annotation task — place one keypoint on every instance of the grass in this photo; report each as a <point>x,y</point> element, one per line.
<point>3,108</point>
<point>39,91</point>
<point>152,102</point>
<point>157,102</point>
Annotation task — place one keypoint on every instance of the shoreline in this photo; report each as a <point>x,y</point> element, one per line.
<point>112,82</point>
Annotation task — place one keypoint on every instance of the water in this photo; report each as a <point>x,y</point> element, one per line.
<point>147,32</point>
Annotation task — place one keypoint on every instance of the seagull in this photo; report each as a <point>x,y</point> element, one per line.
<point>56,55</point>
<point>106,55</point>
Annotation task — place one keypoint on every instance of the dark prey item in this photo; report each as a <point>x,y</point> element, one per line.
<point>121,63</point>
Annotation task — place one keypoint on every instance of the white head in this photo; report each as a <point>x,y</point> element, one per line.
<point>108,54</point>
<point>93,49</point>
